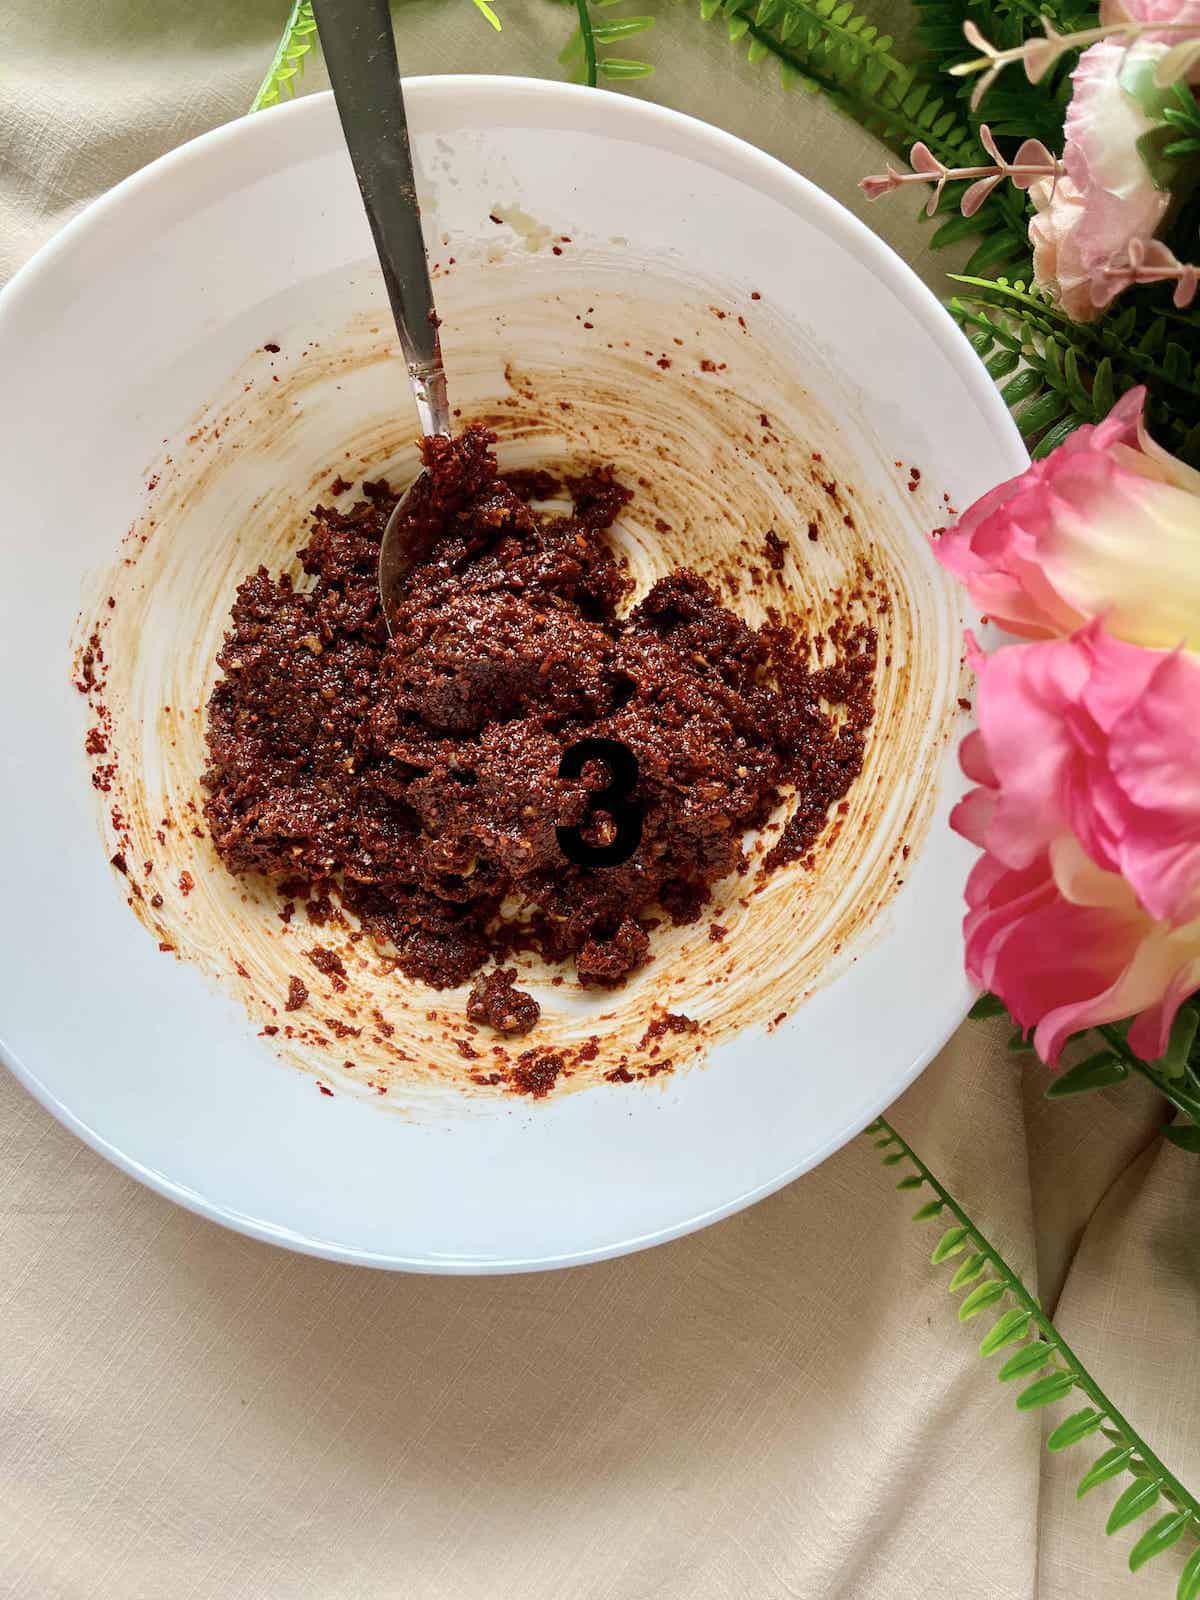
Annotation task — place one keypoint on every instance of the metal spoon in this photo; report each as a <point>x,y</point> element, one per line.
<point>360,53</point>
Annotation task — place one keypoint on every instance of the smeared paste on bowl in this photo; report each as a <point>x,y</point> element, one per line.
<point>699,397</point>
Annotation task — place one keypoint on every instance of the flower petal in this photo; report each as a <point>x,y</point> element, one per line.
<point>1022,694</point>
<point>1151,1030</point>
<point>975,761</point>
<point>1154,757</point>
<point>972,816</point>
<point>1053,962</point>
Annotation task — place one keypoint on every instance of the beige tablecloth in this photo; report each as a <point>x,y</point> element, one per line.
<point>785,1405</point>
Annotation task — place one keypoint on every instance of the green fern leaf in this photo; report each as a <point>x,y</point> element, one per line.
<point>996,251</point>
<point>1080,397</point>
<point>1165,1532</point>
<point>1052,357</point>
<point>1000,365</point>
<point>931,1208</point>
<point>951,1242</point>
<point>617,67</point>
<point>1109,1465</point>
<point>987,1005</point>
<point>1041,413</point>
<point>1045,1391</point>
<point>967,1272</point>
<point>984,1295</point>
<point>1031,1359</point>
<point>1103,393</point>
<point>1189,1578</point>
<point>957,228</point>
<point>1097,1072</point>
<point>1176,364</point>
<point>1006,1330</point>
<point>1076,1427</point>
<point>620,28</point>
<point>1054,437</point>
<point>1132,1504</point>
<point>874,76</point>
<point>1024,385</point>
<point>1154,338</point>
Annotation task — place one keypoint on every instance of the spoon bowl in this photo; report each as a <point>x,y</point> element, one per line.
<point>402,547</point>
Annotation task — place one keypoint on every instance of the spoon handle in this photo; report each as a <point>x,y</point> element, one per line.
<point>360,53</point>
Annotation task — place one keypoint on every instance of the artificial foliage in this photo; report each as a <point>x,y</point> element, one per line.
<point>1044,1371</point>
<point>295,45</point>
<point>589,55</point>
<point>1054,373</point>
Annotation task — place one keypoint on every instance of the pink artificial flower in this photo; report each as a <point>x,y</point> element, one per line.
<point>1108,525</point>
<point>1108,197</point>
<point>1085,907</point>
<point>1058,263</point>
<point>1175,12</point>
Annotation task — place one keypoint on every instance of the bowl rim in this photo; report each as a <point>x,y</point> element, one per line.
<point>736,157</point>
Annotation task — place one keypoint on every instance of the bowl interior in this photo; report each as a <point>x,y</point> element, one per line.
<point>651,290</point>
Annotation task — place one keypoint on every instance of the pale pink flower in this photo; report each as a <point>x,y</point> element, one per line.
<point>1107,526</point>
<point>1185,12</point>
<point>1085,907</point>
<point>1108,196</point>
<point>1058,263</point>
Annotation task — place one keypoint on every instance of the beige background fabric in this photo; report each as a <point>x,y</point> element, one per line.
<point>784,1405</point>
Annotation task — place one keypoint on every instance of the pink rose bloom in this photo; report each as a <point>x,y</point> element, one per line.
<point>1108,526</point>
<point>1085,907</point>
<point>1108,197</point>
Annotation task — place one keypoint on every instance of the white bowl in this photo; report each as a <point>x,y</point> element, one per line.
<point>148,313</point>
